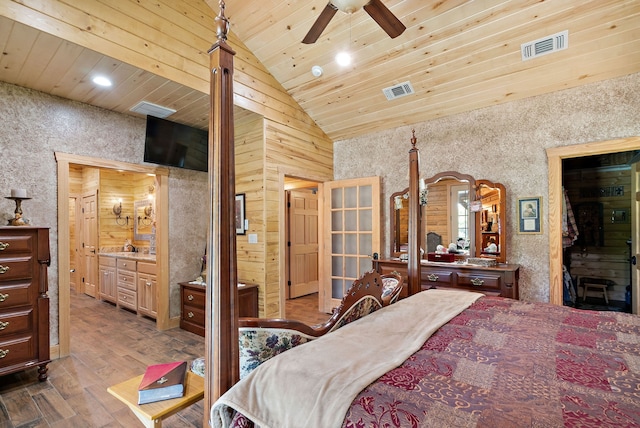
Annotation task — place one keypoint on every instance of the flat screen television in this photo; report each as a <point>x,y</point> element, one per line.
<point>174,144</point>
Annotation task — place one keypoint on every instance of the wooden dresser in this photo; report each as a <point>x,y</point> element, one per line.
<point>500,280</point>
<point>192,301</point>
<point>24,303</point>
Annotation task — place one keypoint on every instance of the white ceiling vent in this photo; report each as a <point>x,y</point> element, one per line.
<point>397,91</point>
<point>545,45</point>
<point>149,109</point>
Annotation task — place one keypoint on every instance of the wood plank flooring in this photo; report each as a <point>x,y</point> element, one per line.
<point>108,346</point>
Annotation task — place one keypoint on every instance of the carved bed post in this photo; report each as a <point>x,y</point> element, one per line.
<point>413,268</point>
<point>221,332</point>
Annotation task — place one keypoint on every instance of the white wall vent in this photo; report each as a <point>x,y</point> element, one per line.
<point>399,90</point>
<point>149,109</point>
<point>545,45</point>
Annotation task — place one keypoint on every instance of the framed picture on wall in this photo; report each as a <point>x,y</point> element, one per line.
<point>530,215</point>
<point>239,214</point>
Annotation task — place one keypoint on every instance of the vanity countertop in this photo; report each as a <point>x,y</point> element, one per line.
<point>131,255</point>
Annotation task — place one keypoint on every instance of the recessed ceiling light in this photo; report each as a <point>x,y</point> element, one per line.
<point>101,81</point>
<point>316,70</point>
<point>343,59</point>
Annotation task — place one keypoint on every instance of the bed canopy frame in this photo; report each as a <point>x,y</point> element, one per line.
<point>221,333</point>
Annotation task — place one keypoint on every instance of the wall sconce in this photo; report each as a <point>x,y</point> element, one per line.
<point>146,220</point>
<point>117,210</point>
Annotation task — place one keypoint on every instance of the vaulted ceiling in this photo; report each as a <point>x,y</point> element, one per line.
<point>457,55</point>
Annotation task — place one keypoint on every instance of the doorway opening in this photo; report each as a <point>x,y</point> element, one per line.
<point>597,237</point>
<point>556,155</point>
<point>64,171</point>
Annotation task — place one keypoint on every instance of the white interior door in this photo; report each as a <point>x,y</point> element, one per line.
<point>351,234</point>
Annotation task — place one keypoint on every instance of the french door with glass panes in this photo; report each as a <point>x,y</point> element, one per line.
<point>351,234</point>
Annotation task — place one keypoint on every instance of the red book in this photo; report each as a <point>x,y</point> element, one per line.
<point>162,382</point>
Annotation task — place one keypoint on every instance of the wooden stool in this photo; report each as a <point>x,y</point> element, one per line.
<point>595,283</point>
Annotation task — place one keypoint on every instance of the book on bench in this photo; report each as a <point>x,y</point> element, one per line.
<point>162,382</point>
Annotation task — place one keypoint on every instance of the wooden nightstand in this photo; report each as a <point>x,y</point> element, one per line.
<point>192,300</point>
<point>152,414</point>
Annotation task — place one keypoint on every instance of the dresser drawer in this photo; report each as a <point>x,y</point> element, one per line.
<point>12,244</point>
<point>127,298</point>
<point>434,277</point>
<point>15,268</point>
<point>127,280</point>
<point>480,281</point>
<point>17,294</point>
<point>17,350</point>
<point>126,264</point>
<point>16,322</point>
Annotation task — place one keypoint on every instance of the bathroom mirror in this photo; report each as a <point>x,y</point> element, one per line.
<point>445,218</point>
<point>490,220</point>
<point>143,221</point>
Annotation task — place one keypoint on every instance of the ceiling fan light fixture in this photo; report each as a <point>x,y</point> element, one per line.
<point>349,6</point>
<point>343,59</point>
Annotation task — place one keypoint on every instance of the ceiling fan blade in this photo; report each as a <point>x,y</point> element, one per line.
<point>385,18</point>
<point>321,23</point>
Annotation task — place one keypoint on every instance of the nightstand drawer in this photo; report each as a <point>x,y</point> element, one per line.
<point>193,315</point>
<point>193,297</point>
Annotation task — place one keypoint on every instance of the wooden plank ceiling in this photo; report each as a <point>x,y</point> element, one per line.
<point>458,55</point>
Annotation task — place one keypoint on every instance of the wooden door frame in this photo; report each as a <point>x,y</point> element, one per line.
<point>282,226</point>
<point>555,156</point>
<point>64,160</point>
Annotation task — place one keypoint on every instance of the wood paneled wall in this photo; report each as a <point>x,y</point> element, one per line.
<point>611,259</point>
<point>171,39</point>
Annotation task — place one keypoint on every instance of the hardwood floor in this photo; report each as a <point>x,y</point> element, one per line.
<point>108,346</point>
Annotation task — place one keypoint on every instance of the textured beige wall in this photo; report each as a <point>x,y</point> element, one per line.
<point>35,125</point>
<point>506,144</point>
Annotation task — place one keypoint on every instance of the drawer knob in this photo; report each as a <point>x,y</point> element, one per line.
<point>190,315</point>
<point>3,297</point>
<point>3,325</point>
<point>190,297</point>
<point>3,269</point>
<point>477,281</point>
<point>3,353</point>
<point>433,277</point>
<point>4,246</point>
<point>148,284</point>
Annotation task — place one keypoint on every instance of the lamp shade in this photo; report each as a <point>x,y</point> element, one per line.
<point>349,6</point>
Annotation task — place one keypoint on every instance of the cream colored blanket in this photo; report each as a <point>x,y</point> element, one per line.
<point>313,385</point>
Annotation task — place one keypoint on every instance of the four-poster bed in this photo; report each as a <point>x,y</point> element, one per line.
<point>436,358</point>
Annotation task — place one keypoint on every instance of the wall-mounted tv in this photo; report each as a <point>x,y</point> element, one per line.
<point>173,144</point>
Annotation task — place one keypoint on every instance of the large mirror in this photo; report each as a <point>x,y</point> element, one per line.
<point>490,220</point>
<point>446,218</point>
<point>143,222</point>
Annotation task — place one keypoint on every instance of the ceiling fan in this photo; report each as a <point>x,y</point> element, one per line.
<point>378,11</point>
